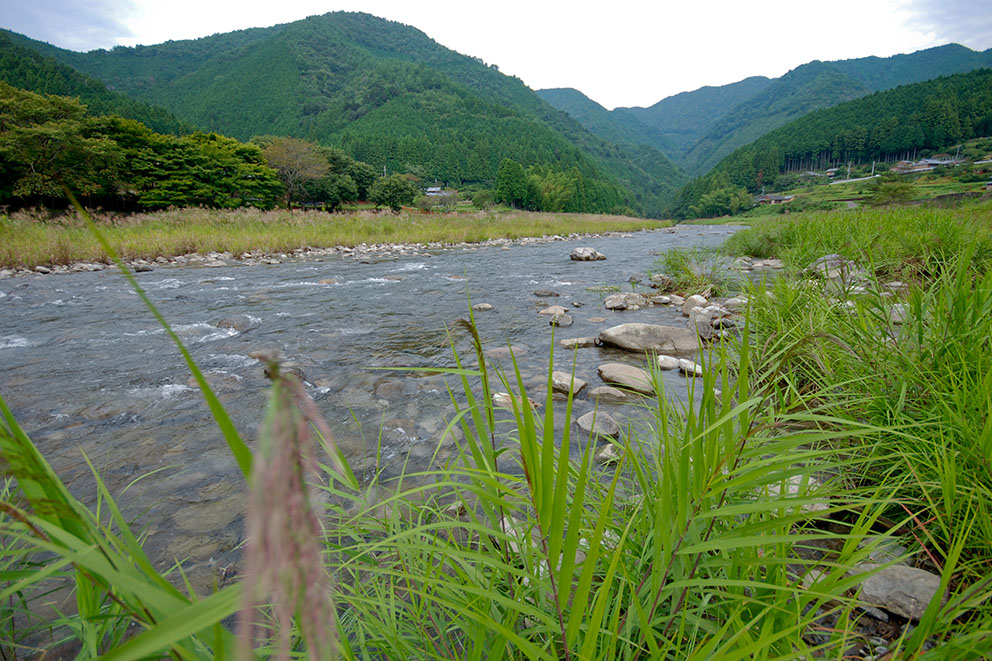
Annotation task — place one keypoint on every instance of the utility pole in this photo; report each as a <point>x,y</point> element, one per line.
<point>873,168</point>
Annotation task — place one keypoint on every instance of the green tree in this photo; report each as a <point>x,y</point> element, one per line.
<point>364,176</point>
<point>393,191</point>
<point>45,142</point>
<point>890,189</point>
<point>511,184</point>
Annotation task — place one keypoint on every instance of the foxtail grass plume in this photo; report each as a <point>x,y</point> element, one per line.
<point>283,560</point>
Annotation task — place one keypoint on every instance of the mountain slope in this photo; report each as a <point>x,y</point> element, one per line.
<point>350,79</point>
<point>27,69</point>
<point>610,126</point>
<point>685,118</point>
<point>887,125</point>
<point>802,90</point>
<point>707,124</point>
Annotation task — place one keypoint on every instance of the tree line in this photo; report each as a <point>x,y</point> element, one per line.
<point>49,142</point>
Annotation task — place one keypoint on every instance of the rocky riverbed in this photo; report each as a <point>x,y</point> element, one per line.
<point>86,368</point>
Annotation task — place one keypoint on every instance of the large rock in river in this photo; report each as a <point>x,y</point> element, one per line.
<point>586,254</point>
<point>650,337</point>
<point>627,376</point>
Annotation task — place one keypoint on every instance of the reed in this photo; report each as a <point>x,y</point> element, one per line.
<point>29,239</point>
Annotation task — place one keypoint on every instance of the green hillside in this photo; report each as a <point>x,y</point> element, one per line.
<point>27,69</point>
<point>884,126</point>
<point>804,89</point>
<point>701,127</point>
<point>384,91</point>
<point>821,85</point>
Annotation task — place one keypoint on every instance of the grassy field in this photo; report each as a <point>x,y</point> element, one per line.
<point>31,239</point>
<point>735,528</point>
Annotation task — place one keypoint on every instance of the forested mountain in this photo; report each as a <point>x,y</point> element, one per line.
<point>28,69</point>
<point>806,88</point>
<point>610,126</point>
<point>707,124</point>
<point>889,125</point>
<point>384,92</point>
<point>685,118</point>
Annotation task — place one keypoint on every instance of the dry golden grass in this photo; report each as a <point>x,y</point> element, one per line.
<point>30,238</point>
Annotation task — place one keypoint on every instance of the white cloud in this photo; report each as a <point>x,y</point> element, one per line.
<point>73,24</point>
<point>966,22</point>
<point>626,52</point>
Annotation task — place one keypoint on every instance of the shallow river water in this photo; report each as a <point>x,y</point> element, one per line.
<point>86,368</point>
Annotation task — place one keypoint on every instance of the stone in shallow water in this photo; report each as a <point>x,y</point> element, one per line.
<point>561,320</point>
<point>694,301</point>
<point>552,310</point>
<point>627,376</point>
<point>586,254</point>
<point>608,454</point>
<point>609,395</point>
<point>902,590</point>
<point>598,423</point>
<point>690,368</point>
<point>667,362</point>
<point>650,337</point>
<point>482,307</point>
<point>578,342</point>
<point>560,382</point>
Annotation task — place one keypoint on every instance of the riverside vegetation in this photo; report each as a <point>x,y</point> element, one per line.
<point>826,430</point>
<point>29,239</point>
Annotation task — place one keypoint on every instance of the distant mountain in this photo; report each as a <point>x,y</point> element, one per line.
<point>704,126</point>
<point>611,126</point>
<point>28,69</point>
<point>383,91</point>
<point>896,123</point>
<point>684,118</point>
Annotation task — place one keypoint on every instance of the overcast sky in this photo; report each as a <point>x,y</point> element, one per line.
<point>619,53</point>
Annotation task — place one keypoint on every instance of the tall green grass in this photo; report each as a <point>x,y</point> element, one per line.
<point>909,243</point>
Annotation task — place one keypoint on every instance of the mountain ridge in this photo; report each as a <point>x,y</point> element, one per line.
<point>708,123</point>
<point>322,78</point>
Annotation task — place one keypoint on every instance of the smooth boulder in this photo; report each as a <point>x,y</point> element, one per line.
<point>902,590</point>
<point>650,337</point>
<point>609,395</point>
<point>578,342</point>
<point>586,254</point>
<point>563,381</point>
<point>598,423</point>
<point>626,376</point>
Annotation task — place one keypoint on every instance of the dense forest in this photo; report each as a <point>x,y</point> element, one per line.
<point>890,125</point>
<point>27,69</point>
<point>47,142</point>
<point>386,94</point>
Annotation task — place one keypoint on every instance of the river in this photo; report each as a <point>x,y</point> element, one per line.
<point>86,368</point>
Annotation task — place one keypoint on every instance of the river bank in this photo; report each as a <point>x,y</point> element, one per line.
<point>29,240</point>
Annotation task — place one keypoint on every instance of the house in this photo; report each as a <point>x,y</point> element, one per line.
<point>773,199</point>
<point>434,191</point>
